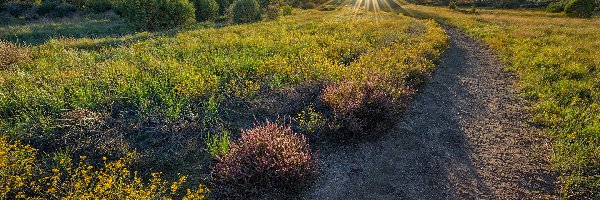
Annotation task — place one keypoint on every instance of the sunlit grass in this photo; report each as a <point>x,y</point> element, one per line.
<point>558,62</point>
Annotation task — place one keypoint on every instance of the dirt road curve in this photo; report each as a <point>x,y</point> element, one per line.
<point>464,136</point>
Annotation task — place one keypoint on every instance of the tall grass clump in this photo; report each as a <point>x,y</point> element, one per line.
<point>557,61</point>
<point>156,14</point>
<point>359,108</point>
<point>11,53</point>
<point>268,158</point>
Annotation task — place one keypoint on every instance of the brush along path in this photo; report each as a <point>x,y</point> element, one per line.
<point>464,136</point>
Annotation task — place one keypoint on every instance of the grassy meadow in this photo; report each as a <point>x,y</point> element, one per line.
<point>94,91</point>
<point>557,60</point>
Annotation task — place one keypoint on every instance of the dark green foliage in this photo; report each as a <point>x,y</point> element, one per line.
<point>273,12</point>
<point>580,8</point>
<point>56,9</point>
<point>264,4</point>
<point>287,10</point>
<point>245,11</point>
<point>310,5</point>
<point>16,9</point>
<point>223,5</point>
<point>99,6</point>
<point>206,9</point>
<point>556,7</point>
<point>156,14</point>
<point>452,5</point>
<point>297,4</point>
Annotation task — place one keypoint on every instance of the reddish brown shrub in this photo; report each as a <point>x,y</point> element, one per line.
<point>268,159</point>
<point>360,107</point>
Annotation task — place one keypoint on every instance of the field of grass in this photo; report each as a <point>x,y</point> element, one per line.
<point>558,62</point>
<point>95,88</point>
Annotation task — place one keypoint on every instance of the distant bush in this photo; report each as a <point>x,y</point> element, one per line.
<point>156,14</point>
<point>56,9</point>
<point>310,5</point>
<point>452,5</point>
<point>327,8</point>
<point>287,10</point>
<point>556,7</point>
<point>17,8</point>
<point>245,11</point>
<point>273,12</point>
<point>580,8</point>
<point>99,6</point>
<point>11,53</point>
<point>359,108</point>
<point>206,10</point>
<point>267,158</point>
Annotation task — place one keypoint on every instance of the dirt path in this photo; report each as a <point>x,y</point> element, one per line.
<point>465,136</point>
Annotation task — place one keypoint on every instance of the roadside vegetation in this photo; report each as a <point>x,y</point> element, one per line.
<point>105,106</point>
<point>557,60</point>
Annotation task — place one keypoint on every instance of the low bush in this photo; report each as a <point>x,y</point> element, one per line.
<point>452,5</point>
<point>556,7</point>
<point>327,8</point>
<point>99,6</point>
<point>287,10</point>
<point>268,158</point>
<point>273,12</point>
<point>156,14</point>
<point>206,9</point>
<point>245,11</point>
<point>17,167</point>
<point>17,8</point>
<point>309,5</point>
<point>22,177</point>
<point>56,9</point>
<point>359,108</point>
<point>11,53</point>
<point>580,8</point>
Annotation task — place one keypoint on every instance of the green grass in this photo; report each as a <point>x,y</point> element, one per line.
<point>185,79</point>
<point>558,62</point>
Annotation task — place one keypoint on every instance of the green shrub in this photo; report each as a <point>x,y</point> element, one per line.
<point>156,14</point>
<point>218,144</point>
<point>264,4</point>
<point>223,6</point>
<point>556,7</point>
<point>16,8</point>
<point>580,8</point>
<point>310,5</point>
<point>267,158</point>
<point>245,11</point>
<point>452,5</point>
<point>273,12</point>
<point>99,6</point>
<point>287,10</point>
<point>328,8</point>
<point>206,9</point>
